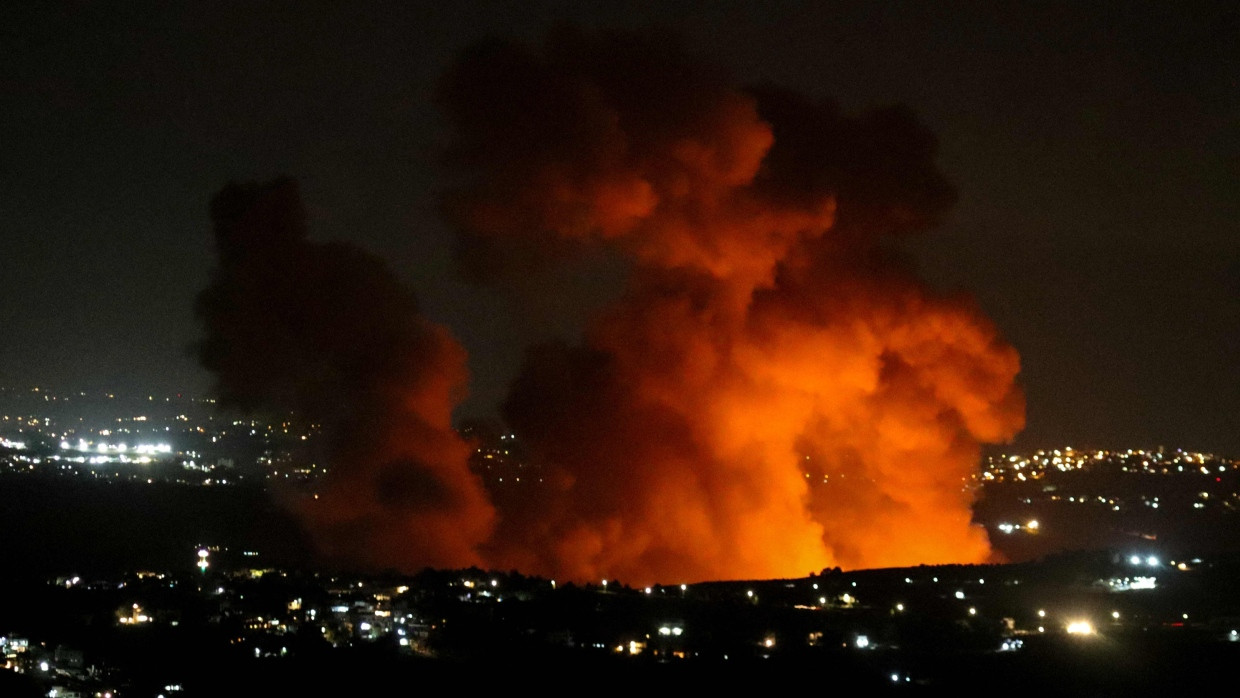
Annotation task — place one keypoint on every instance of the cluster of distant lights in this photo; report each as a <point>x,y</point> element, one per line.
<point>15,445</point>
<point>136,617</point>
<point>254,425</point>
<point>115,453</point>
<point>1072,625</point>
<point>83,446</point>
<point>1031,526</point>
<point>1034,467</point>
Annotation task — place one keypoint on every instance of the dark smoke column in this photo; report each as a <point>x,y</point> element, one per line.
<point>774,392</point>
<point>325,330</point>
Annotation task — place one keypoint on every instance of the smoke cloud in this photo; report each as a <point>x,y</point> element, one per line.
<point>326,330</point>
<point>775,391</point>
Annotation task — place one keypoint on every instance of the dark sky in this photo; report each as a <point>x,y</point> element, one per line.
<point>1095,148</point>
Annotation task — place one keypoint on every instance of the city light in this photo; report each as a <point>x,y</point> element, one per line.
<point>1080,627</point>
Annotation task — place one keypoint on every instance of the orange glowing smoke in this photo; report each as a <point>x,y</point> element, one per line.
<point>774,392</point>
<point>326,330</point>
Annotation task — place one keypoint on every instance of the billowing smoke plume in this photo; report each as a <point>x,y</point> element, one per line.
<point>774,392</point>
<point>326,330</point>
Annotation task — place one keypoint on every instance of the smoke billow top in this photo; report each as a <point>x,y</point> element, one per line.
<point>773,392</point>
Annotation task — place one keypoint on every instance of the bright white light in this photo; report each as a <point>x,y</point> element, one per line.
<point>960,594</point>
<point>862,642</point>
<point>899,607</point>
<point>42,666</point>
<point>1135,560</point>
<point>1151,561</point>
<point>1032,525</point>
<point>203,552</point>
<point>1080,627</point>
<point>685,587</point>
<point>895,677</point>
<point>1115,615</point>
<point>665,630</point>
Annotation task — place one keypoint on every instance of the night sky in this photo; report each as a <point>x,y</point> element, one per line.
<point>1095,152</point>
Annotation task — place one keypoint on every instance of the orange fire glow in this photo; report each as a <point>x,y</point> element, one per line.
<point>774,392</point>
